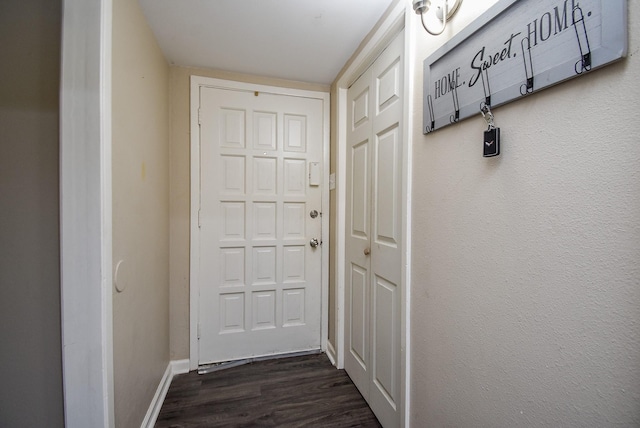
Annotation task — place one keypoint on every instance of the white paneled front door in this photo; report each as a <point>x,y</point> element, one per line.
<point>374,233</point>
<point>259,277</point>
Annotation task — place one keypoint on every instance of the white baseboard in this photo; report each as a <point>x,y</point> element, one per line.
<point>179,367</point>
<point>331,353</point>
<point>174,367</point>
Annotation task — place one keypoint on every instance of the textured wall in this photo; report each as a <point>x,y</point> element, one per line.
<point>526,267</point>
<point>140,213</point>
<point>180,190</point>
<point>30,344</point>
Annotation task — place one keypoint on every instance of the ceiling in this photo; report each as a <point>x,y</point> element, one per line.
<point>303,40</point>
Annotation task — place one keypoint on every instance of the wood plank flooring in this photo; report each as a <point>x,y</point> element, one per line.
<point>289,392</point>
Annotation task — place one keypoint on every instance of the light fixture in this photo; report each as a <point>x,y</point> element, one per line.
<point>444,11</point>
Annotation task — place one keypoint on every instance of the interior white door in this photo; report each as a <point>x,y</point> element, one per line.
<point>259,277</point>
<point>374,233</point>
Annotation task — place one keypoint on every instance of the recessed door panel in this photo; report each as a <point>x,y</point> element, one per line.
<point>264,131</point>
<point>265,176</point>
<point>360,109</point>
<point>360,209</point>
<point>264,309</point>
<point>385,340</point>
<point>264,220</point>
<point>233,125</point>
<point>294,220</point>
<point>233,221</point>
<point>233,175</point>
<point>231,313</point>
<point>294,177</point>
<point>386,185</point>
<point>232,262</point>
<point>295,133</point>
<point>293,270</point>
<point>264,266</point>
<point>358,343</point>
<point>294,307</point>
<point>389,86</point>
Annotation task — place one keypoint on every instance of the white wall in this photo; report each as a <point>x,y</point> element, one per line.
<point>526,267</point>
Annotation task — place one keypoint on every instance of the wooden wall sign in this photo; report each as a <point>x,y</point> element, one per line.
<point>519,47</point>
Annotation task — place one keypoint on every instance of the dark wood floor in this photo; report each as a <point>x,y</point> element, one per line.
<point>289,392</point>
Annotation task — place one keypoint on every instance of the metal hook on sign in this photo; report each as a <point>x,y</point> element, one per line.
<point>431,114</point>
<point>527,88</point>
<point>455,117</point>
<point>584,63</point>
<point>486,87</point>
<point>488,116</point>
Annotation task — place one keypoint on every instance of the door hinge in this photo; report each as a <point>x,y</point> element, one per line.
<point>199,222</point>
<point>199,116</point>
<point>198,331</point>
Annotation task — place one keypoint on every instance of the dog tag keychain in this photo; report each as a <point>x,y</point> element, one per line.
<point>491,142</point>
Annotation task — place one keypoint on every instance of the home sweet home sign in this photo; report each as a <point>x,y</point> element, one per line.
<point>519,47</point>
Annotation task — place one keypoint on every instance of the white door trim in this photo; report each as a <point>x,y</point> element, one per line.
<point>401,16</point>
<point>85,213</point>
<point>194,263</point>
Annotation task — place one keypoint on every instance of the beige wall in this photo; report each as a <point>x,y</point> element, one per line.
<point>140,213</point>
<point>180,190</point>
<point>30,343</point>
<point>526,280</point>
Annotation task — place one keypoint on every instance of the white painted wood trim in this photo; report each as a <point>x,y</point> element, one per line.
<point>107,208</point>
<point>341,212</point>
<point>156,403</point>
<point>331,353</point>
<point>194,287</point>
<point>405,307</point>
<point>400,16</point>
<point>175,367</point>
<point>85,213</point>
<point>326,236</point>
<point>194,249</point>
<point>211,82</point>
<point>179,367</point>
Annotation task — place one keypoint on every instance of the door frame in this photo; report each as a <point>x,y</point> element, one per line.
<point>194,251</point>
<point>85,213</point>
<point>399,17</point>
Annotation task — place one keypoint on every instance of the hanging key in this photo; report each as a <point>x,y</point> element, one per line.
<point>491,142</point>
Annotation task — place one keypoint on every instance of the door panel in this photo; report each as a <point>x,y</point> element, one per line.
<point>360,210</point>
<point>357,312</point>
<point>387,182</point>
<point>374,233</point>
<point>385,339</point>
<point>359,323</point>
<point>259,279</point>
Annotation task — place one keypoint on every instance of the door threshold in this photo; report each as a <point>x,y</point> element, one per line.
<point>214,367</point>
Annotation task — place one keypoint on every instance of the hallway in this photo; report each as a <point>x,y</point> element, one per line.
<point>298,391</point>
<point>521,272</point>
